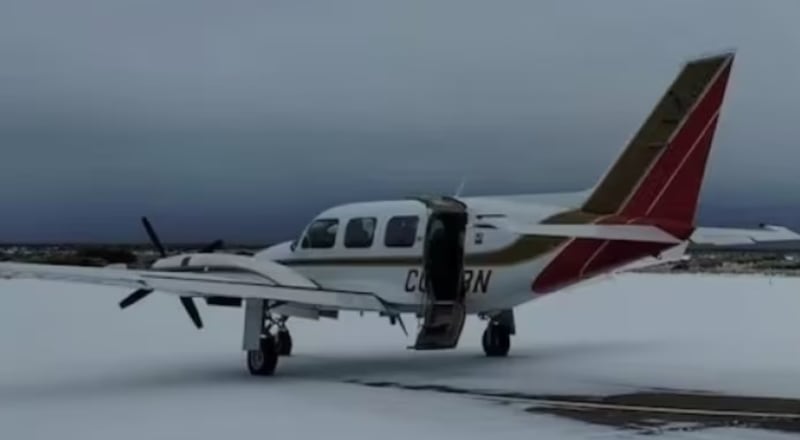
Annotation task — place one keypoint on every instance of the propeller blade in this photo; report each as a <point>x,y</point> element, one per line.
<point>153,237</point>
<point>191,309</point>
<point>211,247</point>
<point>134,297</point>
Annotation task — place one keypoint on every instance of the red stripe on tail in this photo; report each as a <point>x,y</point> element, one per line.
<point>671,188</point>
<point>665,196</point>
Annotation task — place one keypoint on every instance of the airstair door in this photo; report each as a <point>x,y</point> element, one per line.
<point>443,310</point>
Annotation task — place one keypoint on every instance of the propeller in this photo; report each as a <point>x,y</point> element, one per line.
<point>154,237</point>
<point>186,301</point>
<point>191,310</point>
<point>134,297</point>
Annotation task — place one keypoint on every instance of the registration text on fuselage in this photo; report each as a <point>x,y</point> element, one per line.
<point>475,280</point>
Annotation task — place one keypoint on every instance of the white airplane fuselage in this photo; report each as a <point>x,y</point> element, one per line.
<point>493,279</point>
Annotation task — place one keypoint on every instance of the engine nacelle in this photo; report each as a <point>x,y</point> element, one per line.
<point>219,264</point>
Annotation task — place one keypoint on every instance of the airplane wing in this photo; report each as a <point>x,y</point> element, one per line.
<point>251,279</point>
<point>733,236</point>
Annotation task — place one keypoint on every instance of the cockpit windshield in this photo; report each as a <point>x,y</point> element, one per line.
<point>321,234</point>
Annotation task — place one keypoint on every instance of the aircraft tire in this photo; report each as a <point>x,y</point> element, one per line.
<point>262,362</point>
<point>284,339</point>
<point>496,340</point>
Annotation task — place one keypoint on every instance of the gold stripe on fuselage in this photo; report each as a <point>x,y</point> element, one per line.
<point>523,249</point>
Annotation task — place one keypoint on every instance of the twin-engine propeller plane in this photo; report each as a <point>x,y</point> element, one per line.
<point>443,258</point>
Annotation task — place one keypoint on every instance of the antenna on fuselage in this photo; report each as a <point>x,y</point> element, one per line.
<point>398,319</point>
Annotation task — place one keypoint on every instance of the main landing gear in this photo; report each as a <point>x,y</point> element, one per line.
<point>262,362</point>
<point>266,338</point>
<point>496,338</point>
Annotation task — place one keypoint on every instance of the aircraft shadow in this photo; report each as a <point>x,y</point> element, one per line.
<point>400,366</point>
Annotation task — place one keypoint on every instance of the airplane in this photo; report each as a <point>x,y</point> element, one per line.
<point>444,257</point>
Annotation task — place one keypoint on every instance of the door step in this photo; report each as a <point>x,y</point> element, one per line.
<point>442,327</point>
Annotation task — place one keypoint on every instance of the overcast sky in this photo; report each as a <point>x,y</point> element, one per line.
<point>242,118</point>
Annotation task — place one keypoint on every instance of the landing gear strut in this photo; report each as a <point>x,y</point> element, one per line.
<point>496,338</point>
<point>264,346</point>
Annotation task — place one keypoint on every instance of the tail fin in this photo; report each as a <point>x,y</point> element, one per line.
<point>660,172</point>
<point>655,181</point>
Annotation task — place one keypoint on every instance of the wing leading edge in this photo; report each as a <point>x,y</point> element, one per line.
<point>244,284</point>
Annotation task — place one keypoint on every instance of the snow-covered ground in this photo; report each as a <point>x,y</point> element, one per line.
<point>72,365</point>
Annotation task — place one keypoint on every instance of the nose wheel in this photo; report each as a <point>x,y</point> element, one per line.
<point>284,341</point>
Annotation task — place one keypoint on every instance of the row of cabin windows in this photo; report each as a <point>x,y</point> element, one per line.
<point>401,231</point>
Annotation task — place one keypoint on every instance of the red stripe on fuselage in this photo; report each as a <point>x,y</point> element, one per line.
<point>584,258</point>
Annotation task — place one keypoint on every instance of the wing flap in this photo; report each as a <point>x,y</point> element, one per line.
<point>197,284</point>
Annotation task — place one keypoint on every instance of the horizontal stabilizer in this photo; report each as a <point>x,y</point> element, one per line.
<point>644,233</point>
<point>733,236</point>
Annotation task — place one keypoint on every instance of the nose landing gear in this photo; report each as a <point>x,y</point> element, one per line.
<point>283,337</point>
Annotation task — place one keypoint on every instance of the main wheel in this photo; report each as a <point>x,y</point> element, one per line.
<point>496,340</point>
<point>262,362</point>
<point>284,342</point>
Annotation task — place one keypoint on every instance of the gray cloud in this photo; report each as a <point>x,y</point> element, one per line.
<point>247,116</point>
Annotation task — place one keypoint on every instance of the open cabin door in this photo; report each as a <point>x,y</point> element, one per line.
<point>443,310</point>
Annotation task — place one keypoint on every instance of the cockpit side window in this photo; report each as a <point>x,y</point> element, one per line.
<point>359,232</point>
<point>401,231</point>
<point>321,234</point>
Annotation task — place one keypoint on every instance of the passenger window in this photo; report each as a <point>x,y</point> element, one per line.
<point>359,232</point>
<point>401,231</point>
<point>321,234</point>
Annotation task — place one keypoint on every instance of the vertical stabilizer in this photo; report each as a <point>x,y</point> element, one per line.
<point>655,181</point>
<point>660,172</point>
